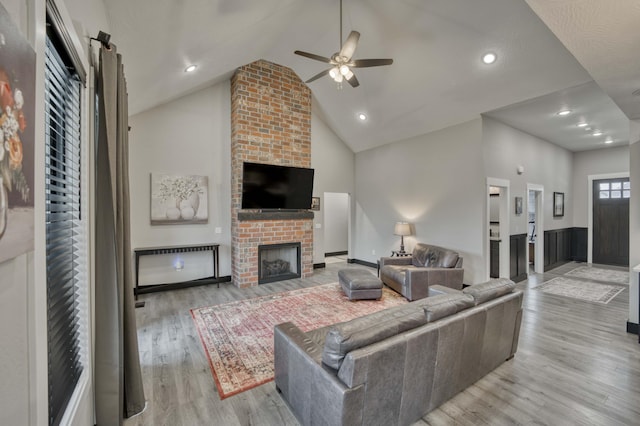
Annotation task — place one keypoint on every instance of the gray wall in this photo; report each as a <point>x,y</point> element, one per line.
<point>334,165</point>
<point>190,135</point>
<point>506,148</point>
<point>435,182</point>
<point>594,162</point>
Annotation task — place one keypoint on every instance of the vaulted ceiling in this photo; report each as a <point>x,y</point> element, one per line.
<point>437,78</point>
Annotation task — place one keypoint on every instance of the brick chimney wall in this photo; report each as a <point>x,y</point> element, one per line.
<point>271,124</point>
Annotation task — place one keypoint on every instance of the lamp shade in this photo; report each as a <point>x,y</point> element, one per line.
<point>402,228</point>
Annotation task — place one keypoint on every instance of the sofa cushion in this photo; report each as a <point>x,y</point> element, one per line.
<point>344,337</point>
<point>443,305</point>
<point>433,256</point>
<point>490,290</point>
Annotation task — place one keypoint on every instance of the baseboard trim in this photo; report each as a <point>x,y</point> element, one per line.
<point>319,265</point>
<point>336,253</point>
<point>632,327</point>
<point>176,286</point>
<point>363,262</point>
<point>519,278</point>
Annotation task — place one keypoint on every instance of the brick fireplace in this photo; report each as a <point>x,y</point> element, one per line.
<point>271,124</point>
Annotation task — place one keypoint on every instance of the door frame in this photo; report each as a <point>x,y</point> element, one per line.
<point>505,218</point>
<point>349,221</point>
<point>590,179</point>
<point>538,254</point>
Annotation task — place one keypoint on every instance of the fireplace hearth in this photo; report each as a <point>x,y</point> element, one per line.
<point>277,262</point>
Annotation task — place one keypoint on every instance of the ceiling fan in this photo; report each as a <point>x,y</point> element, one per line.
<point>342,61</point>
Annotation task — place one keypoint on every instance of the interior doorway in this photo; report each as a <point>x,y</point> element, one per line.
<point>336,224</point>
<point>497,225</point>
<point>535,228</point>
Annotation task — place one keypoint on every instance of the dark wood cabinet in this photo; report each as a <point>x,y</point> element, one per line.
<point>494,259</point>
<point>518,257</point>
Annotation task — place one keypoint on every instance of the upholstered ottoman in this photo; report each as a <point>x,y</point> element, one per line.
<point>359,284</point>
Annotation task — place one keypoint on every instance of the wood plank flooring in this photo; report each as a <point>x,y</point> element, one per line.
<point>575,365</point>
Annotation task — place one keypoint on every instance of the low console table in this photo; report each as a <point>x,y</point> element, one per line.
<point>148,251</point>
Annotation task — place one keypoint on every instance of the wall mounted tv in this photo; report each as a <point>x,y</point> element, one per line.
<point>271,187</point>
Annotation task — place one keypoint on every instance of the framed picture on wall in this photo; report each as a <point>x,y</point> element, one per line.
<point>178,199</point>
<point>518,205</point>
<point>558,204</point>
<point>315,203</point>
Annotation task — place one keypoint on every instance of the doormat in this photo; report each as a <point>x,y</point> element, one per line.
<point>600,274</point>
<point>238,336</point>
<point>582,290</point>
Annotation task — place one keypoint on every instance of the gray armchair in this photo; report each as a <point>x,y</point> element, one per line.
<point>428,265</point>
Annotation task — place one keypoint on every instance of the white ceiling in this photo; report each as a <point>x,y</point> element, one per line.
<point>437,78</point>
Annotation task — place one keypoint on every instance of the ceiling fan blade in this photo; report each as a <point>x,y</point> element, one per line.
<point>350,45</point>
<point>364,63</point>
<point>353,81</point>
<point>317,76</point>
<point>313,56</point>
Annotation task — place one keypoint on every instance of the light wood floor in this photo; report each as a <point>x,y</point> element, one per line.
<point>575,365</point>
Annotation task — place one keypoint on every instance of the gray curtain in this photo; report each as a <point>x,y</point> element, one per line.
<point>118,380</point>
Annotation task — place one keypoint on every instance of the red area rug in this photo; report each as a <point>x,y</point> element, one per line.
<point>238,336</point>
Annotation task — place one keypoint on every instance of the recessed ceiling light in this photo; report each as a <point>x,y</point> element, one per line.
<point>583,124</point>
<point>608,140</point>
<point>362,116</point>
<point>489,58</point>
<point>597,133</point>
<point>190,68</point>
<point>564,112</point>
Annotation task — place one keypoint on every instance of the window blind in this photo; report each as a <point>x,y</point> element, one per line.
<point>62,198</point>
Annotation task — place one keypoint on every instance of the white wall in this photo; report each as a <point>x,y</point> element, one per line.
<point>23,348</point>
<point>334,165</point>
<point>336,222</point>
<point>506,148</point>
<point>190,135</point>
<point>594,162</point>
<point>435,182</point>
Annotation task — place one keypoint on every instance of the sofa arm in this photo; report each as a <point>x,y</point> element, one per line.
<point>406,260</point>
<point>418,280</point>
<point>313,391</point>
<point>293,351</point>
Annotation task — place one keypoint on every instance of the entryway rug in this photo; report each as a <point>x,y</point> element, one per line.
<point>582,290</point>
<point>238,336</point>
<point>600,274</point>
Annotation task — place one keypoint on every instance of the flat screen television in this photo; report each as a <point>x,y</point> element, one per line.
<point>271,187</point>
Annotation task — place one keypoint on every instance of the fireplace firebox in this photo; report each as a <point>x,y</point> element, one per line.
<point>277,262</point>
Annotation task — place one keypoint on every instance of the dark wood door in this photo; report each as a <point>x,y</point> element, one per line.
<point>611,221</point>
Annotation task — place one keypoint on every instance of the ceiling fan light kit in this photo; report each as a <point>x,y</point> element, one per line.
<point>342,62</point>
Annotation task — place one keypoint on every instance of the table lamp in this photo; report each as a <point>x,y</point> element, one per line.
<point>402,229</point>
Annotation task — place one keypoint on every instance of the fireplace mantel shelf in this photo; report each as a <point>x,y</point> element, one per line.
<point>274,215</point>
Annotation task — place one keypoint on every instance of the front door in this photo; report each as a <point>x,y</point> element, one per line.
<point>611,221</point>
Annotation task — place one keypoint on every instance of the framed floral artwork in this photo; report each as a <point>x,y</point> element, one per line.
<point>178,199</point>
<point>17,135</point>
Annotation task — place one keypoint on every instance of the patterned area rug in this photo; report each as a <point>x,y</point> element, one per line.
<point>582,290</point>
<point>238,336</point>
<point>599,274</point>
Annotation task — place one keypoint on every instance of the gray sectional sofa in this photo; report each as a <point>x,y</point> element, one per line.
<point>394,366</point>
